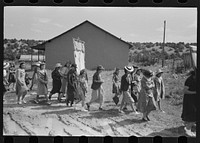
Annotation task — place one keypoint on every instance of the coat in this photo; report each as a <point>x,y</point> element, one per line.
<point>146,101</point>
<point>42,81</point>
<point>159,89</point>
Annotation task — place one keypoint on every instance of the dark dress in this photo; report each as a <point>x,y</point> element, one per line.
<point>189,106</point>
<point>56,76</point>
<point>71,86</point>
<point>12,78</point>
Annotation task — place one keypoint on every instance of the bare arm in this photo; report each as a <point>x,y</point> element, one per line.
<point>186,91</point>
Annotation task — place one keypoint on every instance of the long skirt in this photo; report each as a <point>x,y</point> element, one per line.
<point>127,97</point>
<point>56,86</point>
<point>189,108</point>
<point>21,89</point>
<point>64,85</point>
<point>97,96</point>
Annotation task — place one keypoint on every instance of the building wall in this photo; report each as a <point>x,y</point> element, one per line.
<point>101,48</point>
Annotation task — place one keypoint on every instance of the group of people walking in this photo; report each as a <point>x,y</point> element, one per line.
<point>142,89</point>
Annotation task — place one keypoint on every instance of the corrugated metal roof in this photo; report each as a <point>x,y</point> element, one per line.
<point>42,46</point>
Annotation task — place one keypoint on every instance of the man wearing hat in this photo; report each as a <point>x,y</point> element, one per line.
<point>56,76</point>
<point>72,85</point>
<point>159,90</point>
<point>126,87</point>
<point>97,89</point>
<point>5,81</point>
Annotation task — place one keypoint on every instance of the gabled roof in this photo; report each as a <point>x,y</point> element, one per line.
<point>42,46</point>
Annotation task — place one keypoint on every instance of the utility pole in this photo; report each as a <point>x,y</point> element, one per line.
<point>163,50</point>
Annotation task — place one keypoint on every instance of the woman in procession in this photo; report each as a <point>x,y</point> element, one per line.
<point>97,89</point>
<point>146,101</point>
<point>125,88</point>
<point>34,76</point>
<point>189,110</point>
<point>12,78</point>
<point>116,85</point>
<point>56,76</point>
<point>21,87</point>
<point>64,72</point>
<point>159,90</point>
<point>42,81</point>
<point>71,85</point>
<point>5,81</point>
<point>82,87</point>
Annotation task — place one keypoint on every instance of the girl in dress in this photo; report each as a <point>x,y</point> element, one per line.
<point>21,88</point>
<point>12,78</point>
<point>116,84</point>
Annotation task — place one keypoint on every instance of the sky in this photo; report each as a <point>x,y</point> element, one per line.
<point>131,24</point>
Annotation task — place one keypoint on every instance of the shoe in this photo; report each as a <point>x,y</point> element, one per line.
<point>19,102</point>
<point>135,112</point>
<point>145,120</point>
<point>189,132</point>
<point>23,101</point>
<point>88,106</point>
<point>125,108</point>
<point>162,111</point>
<point>101,109</point>
<point>84,110</point>
<point>121,111</point>
<point>36,101</point>
<point>148,118</point>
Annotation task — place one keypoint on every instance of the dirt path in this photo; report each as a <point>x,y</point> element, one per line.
<point>57,119</point>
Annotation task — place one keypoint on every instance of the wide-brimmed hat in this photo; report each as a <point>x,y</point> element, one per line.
<point>58,65</point>
<point>100,67</point>
<point>6,65</point>
<point>159,71</point>
<point>129,68</point>
<point>135,67</point>
<point>148,73</point>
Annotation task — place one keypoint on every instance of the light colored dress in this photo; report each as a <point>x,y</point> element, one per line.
<point>146,101</point>
<point>159,90</point>
<point>64,73</point>
<point>42,80</point>
<point>20,81</point>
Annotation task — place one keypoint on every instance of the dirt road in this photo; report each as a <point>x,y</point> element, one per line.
<point>57,119</point>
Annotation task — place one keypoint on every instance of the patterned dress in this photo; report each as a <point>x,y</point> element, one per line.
<point>64,72</point>
<point>116,84</point>
<point>42,80</point>
<point>159,90</point>
<point>146,101</point>
<point>20,81</point>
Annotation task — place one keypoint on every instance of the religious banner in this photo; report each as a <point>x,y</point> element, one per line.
<point>79,54</point>
<point>193,51</point>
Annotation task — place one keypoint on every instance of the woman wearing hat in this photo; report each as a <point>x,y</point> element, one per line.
<point>71,85</point>
<point>159,90</point>
<point>34,76</point>
<point>42,81</point>
<point>189,109</point>
<point>64,72</point>
<point>21,87</point>
<point>146,101</point>
<point>125,88</point>
<point>5,81</point>
<point>56,76</point>
<point>97,89</point>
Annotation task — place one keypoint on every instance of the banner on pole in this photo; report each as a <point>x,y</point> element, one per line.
<point>193,51</point>
<point>79,54</point>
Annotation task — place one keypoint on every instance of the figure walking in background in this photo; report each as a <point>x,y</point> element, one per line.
<point>97,89</point>
<point>5,80</point>
<point>116,86</point>
<point>64,72</point>
<point>159,90</point>
<point>125,88</point>
<point>71,85</point>
<point>12,78</point>
<point>189,109</point>
<point>146,101</point>
<point>34,76</point>
<point>21,87</point>
<point>42,81</point>
<point>56,76</point>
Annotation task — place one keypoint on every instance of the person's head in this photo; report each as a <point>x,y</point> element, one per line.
<point>68,64</point>
<point>22,65</point>
<point>138,71</point>
<point>83,72</point>
<point>148,73</point>
<point>159,73</point>
<point>74,67</point>
<point>128,69</point>
<point>6,65</point>
<point>58,66</point>
<point>100,68</point>
<point>42,66</point>
<point>116,71</point>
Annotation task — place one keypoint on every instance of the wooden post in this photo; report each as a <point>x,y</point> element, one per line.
<point>163,58</point>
